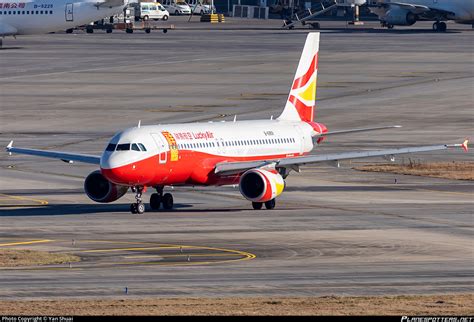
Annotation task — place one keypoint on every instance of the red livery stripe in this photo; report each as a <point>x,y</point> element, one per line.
<point>303,80</point>
<point>304,111</point>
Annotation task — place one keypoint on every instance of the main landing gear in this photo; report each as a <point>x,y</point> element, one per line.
<point>156,200</point>
<point>269,204</point>
<point>439,26</point>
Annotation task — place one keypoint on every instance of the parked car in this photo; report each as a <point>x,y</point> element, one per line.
<point>177,8</point>
<point>200,7</point>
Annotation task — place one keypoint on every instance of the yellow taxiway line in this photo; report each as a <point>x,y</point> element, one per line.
<point>40,201</point>
<point>27,242</point>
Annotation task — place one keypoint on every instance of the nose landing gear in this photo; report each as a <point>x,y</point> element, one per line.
<point>138,207</point>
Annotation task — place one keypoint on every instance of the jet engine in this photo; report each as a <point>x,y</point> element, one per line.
<point>399,17</point>
<point>261,185</point>
<point>99,189</point>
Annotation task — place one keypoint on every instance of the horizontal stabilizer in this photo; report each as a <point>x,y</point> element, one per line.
<point>359,130</point>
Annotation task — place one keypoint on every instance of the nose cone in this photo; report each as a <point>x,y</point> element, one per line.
<point>111,168</point>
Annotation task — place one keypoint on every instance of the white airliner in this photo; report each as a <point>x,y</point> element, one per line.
<point>257,155</point>
<point>25,17</point>
<point>406,13</point>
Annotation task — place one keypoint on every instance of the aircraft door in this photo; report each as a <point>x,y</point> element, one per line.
<point>220,146</point>
<point>69,12</point>
<point>162,146</point>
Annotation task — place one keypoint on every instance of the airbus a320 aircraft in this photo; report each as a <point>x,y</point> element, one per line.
<point>406,13</point>
<point>257,155</point>
<point>26,17</point>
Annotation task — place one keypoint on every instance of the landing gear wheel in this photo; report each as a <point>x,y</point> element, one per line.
<point>147,30</point>
<point>257,205</point>
<point>133,208</point>
<point>109,31</point>
<point>129,31</point>
<point>140,208</point>
<point>390,26</point>
<point>167,201</point>
<point>69,31</point>
<point>270,204</point>
<point>89,30</point>
<point>155,201</point>
<point>442,27</point>
<point>439,26</point>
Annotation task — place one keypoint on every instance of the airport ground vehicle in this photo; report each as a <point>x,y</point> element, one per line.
<point>150,11</point>
<point>177,7</point>
<point>256,155</point>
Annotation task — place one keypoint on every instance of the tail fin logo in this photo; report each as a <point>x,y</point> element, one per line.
<point>302,98</point>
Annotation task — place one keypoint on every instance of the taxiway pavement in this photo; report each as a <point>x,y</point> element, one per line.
<point>334,231</point>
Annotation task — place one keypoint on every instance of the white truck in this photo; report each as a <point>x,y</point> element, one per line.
<point>150,10</point>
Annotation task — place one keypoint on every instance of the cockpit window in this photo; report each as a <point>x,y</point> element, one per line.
<point>135,147</point>
<point>111,147</point>
<point>142,147</point>
<point>123,147</point>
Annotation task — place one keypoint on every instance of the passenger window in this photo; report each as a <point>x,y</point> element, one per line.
<point>135,147</point>
<point>111,147</point>
<point>123,147</point>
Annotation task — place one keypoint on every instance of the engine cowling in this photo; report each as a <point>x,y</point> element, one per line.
<point>99,189</point>
<point>399,17</point>
<point>261,185</point>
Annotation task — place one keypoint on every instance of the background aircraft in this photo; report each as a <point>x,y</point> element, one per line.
<point>257,154</point>
<point>406,13</point>
<point>26,17</point>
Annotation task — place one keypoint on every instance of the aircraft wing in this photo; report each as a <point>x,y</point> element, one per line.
<point>110,3</point>
<point>228,168</point>
<point>417,8</point>
<point>64,156</point>
<point>7,30</point>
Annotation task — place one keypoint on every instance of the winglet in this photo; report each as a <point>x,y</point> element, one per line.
<point>10,145</point>
<point>464,145</point>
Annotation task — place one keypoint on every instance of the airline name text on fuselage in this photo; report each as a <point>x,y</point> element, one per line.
<point>194,135</point>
